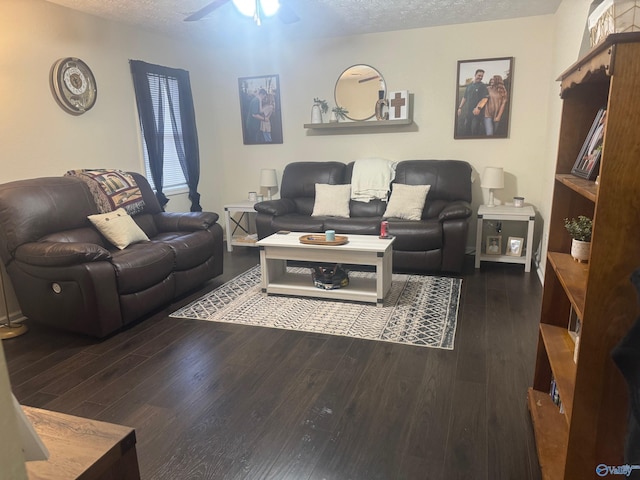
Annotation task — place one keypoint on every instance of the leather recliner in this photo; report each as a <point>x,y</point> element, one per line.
<point>67,275</point>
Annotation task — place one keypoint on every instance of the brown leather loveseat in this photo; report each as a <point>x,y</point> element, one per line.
<point>434,243</point>
<point>67,275</point>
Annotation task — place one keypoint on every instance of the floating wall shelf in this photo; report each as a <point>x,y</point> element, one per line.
<point>343,125</point>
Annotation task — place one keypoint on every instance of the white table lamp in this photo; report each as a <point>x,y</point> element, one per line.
<point>492,178</point>
<point>268,179</point>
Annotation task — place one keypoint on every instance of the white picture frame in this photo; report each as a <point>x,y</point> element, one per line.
<point>514,246</point>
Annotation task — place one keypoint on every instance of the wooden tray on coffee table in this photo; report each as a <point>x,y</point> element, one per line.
<point>321,239</point>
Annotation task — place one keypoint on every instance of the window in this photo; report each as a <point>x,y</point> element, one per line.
<point>168,126</point>
<point>161,86</point>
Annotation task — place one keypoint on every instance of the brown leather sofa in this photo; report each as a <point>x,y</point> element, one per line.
<point>67,275</point>
<point>435,243</point>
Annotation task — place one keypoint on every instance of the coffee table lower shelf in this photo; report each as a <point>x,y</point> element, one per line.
<point>359,289</point>
<point>277,249</point>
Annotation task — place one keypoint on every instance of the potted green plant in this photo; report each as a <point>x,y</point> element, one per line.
<point>319,107</point>
<point>338,113</point>
<point>580,231</point>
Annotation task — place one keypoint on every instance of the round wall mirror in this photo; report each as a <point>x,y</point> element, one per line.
<point>357,91</point>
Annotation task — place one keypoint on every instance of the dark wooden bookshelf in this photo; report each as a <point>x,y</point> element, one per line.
<point>592,428</point>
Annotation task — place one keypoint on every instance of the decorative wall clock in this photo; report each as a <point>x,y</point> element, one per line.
<point>73,85</point>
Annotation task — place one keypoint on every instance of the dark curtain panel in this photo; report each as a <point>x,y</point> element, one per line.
<point>183,122</point>
<point>151,121</point>
<point>187,143</point>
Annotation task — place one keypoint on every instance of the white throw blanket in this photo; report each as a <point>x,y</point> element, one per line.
<point>371,178</point>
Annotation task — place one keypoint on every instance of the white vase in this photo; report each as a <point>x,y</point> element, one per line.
<point>580,250</point>
<point>333,118</point>
<point>316,114</point>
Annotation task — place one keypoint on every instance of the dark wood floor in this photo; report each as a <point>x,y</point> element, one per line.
<point>219,401</point>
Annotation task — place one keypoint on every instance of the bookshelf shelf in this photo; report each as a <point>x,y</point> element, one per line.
<point>573,277</point>
<point>586,188</point>
<point>551,432</point>
<point>559,347</point>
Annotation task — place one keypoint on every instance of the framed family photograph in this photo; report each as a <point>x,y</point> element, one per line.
<point>588,162</point>
<point>483,98</point>
<point>514,246</point>
<point>494,245</point>
<point>260,109</point>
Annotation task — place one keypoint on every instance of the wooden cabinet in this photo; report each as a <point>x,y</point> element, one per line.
<point>591,429</point>
<point>81,448</point>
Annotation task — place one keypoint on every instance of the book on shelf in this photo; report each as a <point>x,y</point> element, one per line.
<point>555,395</point>
<point>573,327</point>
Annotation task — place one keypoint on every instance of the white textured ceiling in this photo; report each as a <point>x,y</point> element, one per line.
<point>318,18</point>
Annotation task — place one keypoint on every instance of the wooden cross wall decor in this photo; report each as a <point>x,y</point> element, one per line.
<point>399,105</point>
<point>397,102</point>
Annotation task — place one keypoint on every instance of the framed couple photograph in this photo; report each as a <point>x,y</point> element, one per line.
<point>483,98</point>
<point>587,164</point>
<point>260,109</point>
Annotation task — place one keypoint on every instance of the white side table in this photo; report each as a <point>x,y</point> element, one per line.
<point>506,213</point>
<point>245,208</point>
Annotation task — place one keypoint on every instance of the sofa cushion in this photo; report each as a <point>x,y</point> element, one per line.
<point>355,226</point>
<point>119,228</point>
<point>450,180</point>
<point>298,223</point>
<point>299,178</point>
<point>414,235</point>
<point>31,209</point>
<point>372,208</point>
<point>86,234</point>
<point>332,200</point>
<point>191,248</point>
<point>407,201</point>
<point>142,265</point>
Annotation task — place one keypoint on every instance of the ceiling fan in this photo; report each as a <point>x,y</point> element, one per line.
<point>362,80</point>
<point>256,9</point>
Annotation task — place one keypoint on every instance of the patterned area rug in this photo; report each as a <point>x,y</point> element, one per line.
<point>419,310</point>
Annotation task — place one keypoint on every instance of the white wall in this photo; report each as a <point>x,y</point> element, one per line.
<point>424,61</point>
<point>39,139</point>
<point>569,24</point>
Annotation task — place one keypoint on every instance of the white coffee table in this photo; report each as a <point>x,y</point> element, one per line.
<point>276,249</point>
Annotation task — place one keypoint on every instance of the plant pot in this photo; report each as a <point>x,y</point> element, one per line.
<point>333,118</point>
<point>580,250</point>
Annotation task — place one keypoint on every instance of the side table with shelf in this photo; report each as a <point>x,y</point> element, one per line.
<point>245,208</point>
<point>506,213</point>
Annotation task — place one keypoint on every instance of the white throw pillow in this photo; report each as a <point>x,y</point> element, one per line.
<point>332,200</point>
<point>118,227</point>
<point>407,201</point>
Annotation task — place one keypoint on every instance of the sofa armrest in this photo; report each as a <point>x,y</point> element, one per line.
<point>278,207</point>
<point>455,210</point>
<point>185,221</point>
<point>60,254</point>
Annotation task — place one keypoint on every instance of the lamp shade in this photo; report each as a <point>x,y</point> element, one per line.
<point>492,177</point>
<point>268,178</point>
